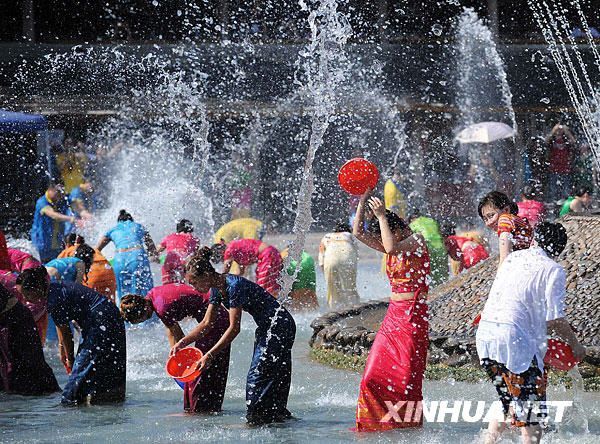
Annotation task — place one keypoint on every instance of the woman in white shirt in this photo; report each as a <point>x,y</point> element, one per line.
<point>338,257</point>
<point>526,301</point>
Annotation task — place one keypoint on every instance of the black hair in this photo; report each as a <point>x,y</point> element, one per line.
<point>200,264</point>
<point>73,239</point>
<point>414,214</point>
<point>185,226</point>
<point>498,200</point>
<point>217,251</point>
<point>395,222</point>
<point>133,308</point>
<point>342,227</point>
<point>551,237</point>
<point>86,254</point>
<point>448,229</point>
<point>5,296</point>
<point>124,216</point>
<point>530,191</point>
<point>34,278</point>
<point>580,191</point>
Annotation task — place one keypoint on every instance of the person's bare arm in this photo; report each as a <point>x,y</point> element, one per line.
<point>227,266</point>
<point>505,245</point>
<point>576,206</point>
<point>66,346</point>
<point>561,328</point>
<point>103,242</point>
<point>48,211</point>
<point>174,334</point>
<point>151,247</point>
<point>53,273</point>
<point>358,228</point>
<point>235,318</point>
<point>80,267</point>
<point>199,331</point>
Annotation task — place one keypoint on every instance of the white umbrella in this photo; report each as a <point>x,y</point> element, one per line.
<point>485,132</point>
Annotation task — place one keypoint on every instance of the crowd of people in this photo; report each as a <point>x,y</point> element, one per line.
<point>72,294</point>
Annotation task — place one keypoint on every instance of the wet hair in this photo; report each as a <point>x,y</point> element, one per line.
<point>124,216</point>
<point>217,251</point>
<point>200,264</point>
<point>580,191</point>
<point>185,226</point>
<point>551,237</point>
<point>530,191</point>
<point>342,227</point>
<point>395,222</point>
<point>498,200</point>
<point>414,214</point>
<point>448,229</point>
<point>133,308</point>
<point>34,279</point>
<point>74,239</point>
<point>56,183</point>
<point>86,254</point>
<point>5,295</point>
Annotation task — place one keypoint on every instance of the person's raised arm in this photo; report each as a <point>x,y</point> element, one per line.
<point>358,228</point>
<point>103,242</point>
<point>203,327</point>
<point>52,214</point>
<point>151,247</point>
<point>66,346</point>
<point>174,334</point>
<point>505,245</point>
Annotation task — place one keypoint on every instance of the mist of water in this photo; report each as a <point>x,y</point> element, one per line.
<point>324,64</point>
<point>551,17</point>
<point>482,94</point>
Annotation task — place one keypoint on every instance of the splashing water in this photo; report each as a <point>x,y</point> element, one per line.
<point>575,420</point>
<point>483,94</point>
<point>155,150</point>
<point>556,29</point>
<point>324,65</point>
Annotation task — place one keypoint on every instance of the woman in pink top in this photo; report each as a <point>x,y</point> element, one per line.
<point>21,261</point>
<point>179,247</point>
<point>173,303</point>
<point>246,252</point>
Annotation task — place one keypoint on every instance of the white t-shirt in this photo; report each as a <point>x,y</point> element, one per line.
<point>529,290</point>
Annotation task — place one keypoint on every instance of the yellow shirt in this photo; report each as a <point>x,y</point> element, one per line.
<point>394,199</point>
<point>244,228</point>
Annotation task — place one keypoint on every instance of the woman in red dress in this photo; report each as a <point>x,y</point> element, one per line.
<point>391,387</point>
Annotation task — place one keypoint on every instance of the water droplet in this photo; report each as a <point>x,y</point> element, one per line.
<point>545,100</point>
<point>437,29</point>
<point>103,328</point>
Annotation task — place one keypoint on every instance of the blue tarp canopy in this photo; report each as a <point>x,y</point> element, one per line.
<point>11,122</point>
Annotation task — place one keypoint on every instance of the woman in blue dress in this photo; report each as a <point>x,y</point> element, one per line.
<point>131,263</point>
<point>67,269</point>
<point>97,372</point>
<point>269,378</point>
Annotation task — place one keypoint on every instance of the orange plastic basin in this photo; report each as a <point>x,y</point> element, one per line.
<point>182,365</point>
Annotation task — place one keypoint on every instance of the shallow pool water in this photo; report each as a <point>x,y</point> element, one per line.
<point>322,399</point>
